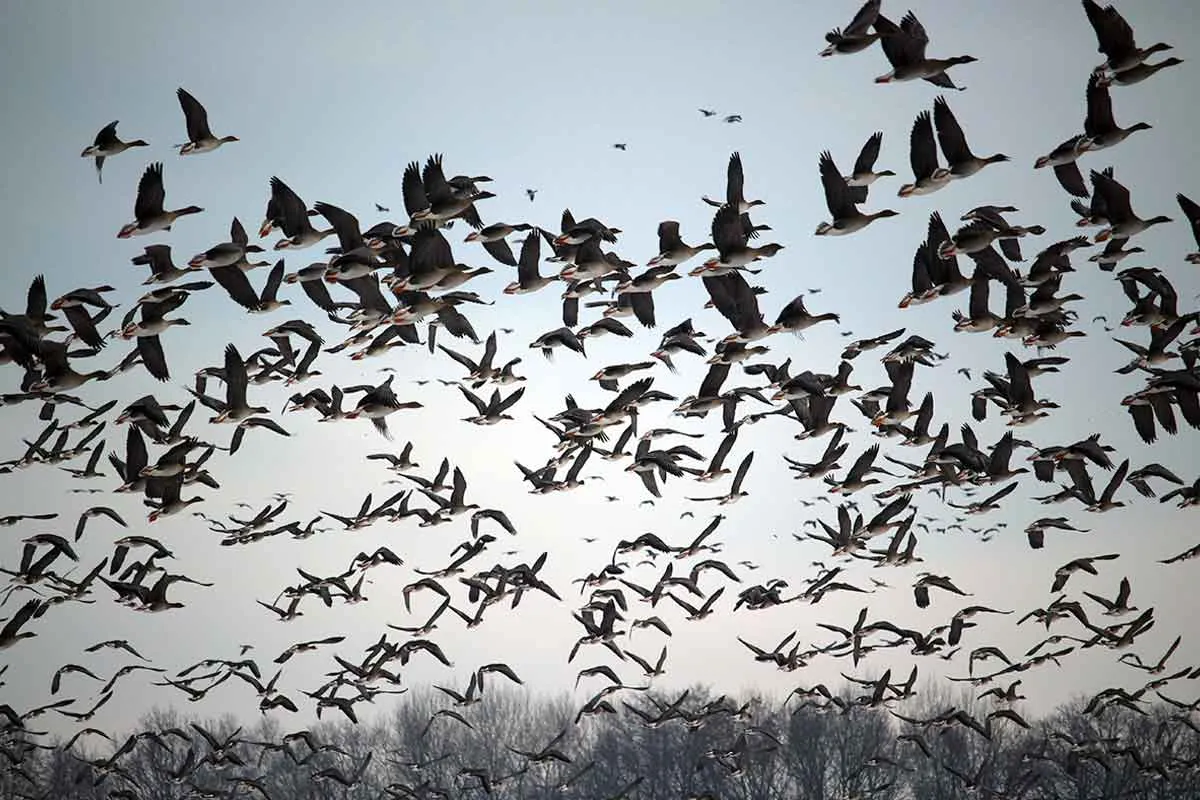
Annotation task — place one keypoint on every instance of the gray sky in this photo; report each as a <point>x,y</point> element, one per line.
<point>534,94</point>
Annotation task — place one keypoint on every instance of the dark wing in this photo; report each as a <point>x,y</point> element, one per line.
<point>580,460</point>
<point>868,154</point>
<point>150,194</point>
<point>630,394</point>
<point>107,135</point>
<point>155,256</point>
<point>237,233</point>
<point>643,308</point>
<point>84,326</point>
<point>35,298</point>
<point>430,251</point>
<point>500,251</point>
<point>1114,483</point>
<point>344,224</point>
<point>1113,34</point>
<point>237,284</point>
<point>317,292</point>
<point>1114,195</point>
<point>480,406</point>
<point>434,180</point>
<point>837,192</point>
<point>949,133</point>
<point>723,450</point>
<point>1192,211</point>
<point>291,208</point>
<point>863,463</point>
<point>273,280</point>
<point>1071,179</point>
<point>713,380</point>
<point>916,37</point>
<point>668,236</point>
<point>531,253</point>
<point>235,378</point>
<point>413,189</point>
<point>742,469</point>
<point>1099,117</point>
<point>151,350</point>
<point>728,232</point>
<point>195,116</point>
<point>896,46</point>
<point>922,148</point>
<point>734,298</point>
<point>734,181</point>
<point>864,19</point>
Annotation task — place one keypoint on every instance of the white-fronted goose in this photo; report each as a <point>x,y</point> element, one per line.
<point>647,281</point>
<point>1115,38</point>
<point>731,235</point>
<point>559,337</point>
<point>904,45</point>
<point>200,137</point>
<point>493,241</point>
<point>1141,72</point>
<point>734,194</point>
<point>57,374</point>
<point>447,200</point>
<point>377,403</point>
<point>1099,126</point>
<point>672,252</point>
<point>286,210</point>
<point>794,317</point>
<point>1122,222</point>
<point>529,279</point>
<point>108,144</point>
<point>235,407</point>
<point>227,253</point>
<point>857,36</point>
<point>162,270</point>
<point>962,162</point>
<point>842,200</point>
<point>149,215</point>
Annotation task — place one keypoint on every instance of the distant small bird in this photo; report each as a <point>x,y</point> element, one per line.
<point>733,118</point>
<point>530,193</point>
<point>381,209</point>
<point>619,146</point>
<point>708,112</point>
<point>965,372</point>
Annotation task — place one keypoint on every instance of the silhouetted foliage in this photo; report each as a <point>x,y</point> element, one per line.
<point>656,746</point>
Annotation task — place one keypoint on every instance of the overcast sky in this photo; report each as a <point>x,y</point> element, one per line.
<point>534,95</point>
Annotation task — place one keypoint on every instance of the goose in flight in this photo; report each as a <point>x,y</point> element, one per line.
<point>148,212</point>
<point>857,36</point>
<point>108,144</point>
<point>735,489</point>
<point>200,136</point>
<point>904,46</point>
<point>842,199</point>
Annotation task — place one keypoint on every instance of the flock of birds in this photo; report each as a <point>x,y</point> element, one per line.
<point>381,283</point>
